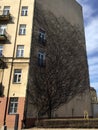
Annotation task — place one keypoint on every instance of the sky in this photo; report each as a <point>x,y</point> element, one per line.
<point>90,14</point>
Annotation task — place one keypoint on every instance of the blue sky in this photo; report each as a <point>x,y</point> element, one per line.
<point>90,13</point>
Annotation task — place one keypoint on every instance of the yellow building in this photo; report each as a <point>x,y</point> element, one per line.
<point>16,19</point>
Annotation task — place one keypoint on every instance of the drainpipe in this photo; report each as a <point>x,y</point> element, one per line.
<point>7,100</point>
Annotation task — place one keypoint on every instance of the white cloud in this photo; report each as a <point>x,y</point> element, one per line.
<point>93,61</point>
<point>93,71</point>
<point>87,11</point>
<point>82,1</point>
<point>91,28</point>
<point>95,85</point>
<point>91,32</point>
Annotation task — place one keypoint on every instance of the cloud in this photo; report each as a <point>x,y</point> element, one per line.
<point>91,32</point>
<point>82,1</point>
<point>93,60</point>
<point>93,72</point>
<point>87,11</point>
<point>90,13</point>
<point>95,85</point>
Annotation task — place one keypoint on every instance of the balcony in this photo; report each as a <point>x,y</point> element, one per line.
<point>4,16</point>
<point>3,63</point>
<point>4,36</point>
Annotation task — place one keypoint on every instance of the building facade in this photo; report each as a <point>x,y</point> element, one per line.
<point>49,20</point>
<point>19,53</point>
<point>16,19</point>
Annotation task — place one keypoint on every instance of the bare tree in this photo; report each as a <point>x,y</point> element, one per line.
<point>65,73</point>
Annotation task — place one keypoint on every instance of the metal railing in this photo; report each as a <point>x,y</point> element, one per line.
<point>1,89</point>
<point>4,15</point>
<point>3,61</point>
<point>4,35</point>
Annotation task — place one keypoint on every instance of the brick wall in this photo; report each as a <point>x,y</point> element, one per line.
<point>10,119</point>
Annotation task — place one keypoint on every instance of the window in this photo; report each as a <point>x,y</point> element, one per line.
<point>41,59</point>
<point>17,76</point>
<point>2,29</point>
<point>22,29</point>
<point>24,11</point>
<point>1,50</point>
<point>6,10</point>
<point>20,51</point>
<point>13,105</point>
<point>42,37</point>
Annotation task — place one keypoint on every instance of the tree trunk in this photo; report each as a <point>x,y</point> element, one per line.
<point>49,112</point>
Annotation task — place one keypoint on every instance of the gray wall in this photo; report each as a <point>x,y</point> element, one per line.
<point>95,109</point>
<point>69,9</point>
<point>72,12</point>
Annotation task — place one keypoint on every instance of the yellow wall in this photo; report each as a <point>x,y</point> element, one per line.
<point>17,90</point>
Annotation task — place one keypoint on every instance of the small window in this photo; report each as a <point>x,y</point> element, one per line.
<point>41,59</point>
<point>6,10</point>
<point>24,11</point>
<point>2,29</point>
<point>22,29</point>
<point>17,76</point>
<point>13,105</point>
<point>42,37</point>
<point>1,50</point>
<point>20,51</point>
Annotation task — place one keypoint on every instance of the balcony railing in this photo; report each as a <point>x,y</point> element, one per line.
<point>4,35</point>
<point>3,63</point>
<point>1,89</point>
<point>5,16</point>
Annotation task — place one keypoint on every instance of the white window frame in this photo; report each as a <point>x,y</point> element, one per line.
<point>6,10</point>
<point>22,29</point>
<point>20,51</point>
<point>24,11</point>
<point>1,50</point>
<point>2,29</point>
<point>13,105</point>
<point>17,76</point>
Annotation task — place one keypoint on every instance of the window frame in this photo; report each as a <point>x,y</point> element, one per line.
<point>22,29</point>
<point>13,105</point>
<point>1,50</point>
<point>3,29</point>
<point>24,11</point>
<point>20,51</point>
<point>17,76</point>
<point>6,10</point>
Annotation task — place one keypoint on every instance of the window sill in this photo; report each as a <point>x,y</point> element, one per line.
<point>20,57</point>
<point>12,113</point>
<point>16,83</point>
<point>24,15</point>
<point>22,34</point>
